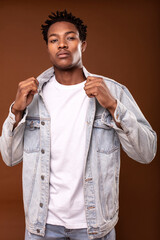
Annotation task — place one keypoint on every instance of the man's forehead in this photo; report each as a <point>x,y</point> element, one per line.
<point>62,28</point>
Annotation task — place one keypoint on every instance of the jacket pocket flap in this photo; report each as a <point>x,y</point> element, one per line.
<point>98,124</point>
<point>33,124</point>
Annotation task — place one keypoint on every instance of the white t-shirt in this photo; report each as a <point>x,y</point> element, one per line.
<point>67,106</point>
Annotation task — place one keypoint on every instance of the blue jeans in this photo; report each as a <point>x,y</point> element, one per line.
<point>54,232</point>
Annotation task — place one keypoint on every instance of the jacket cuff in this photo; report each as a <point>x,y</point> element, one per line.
<point>121,115</point>
<point>11,118</point>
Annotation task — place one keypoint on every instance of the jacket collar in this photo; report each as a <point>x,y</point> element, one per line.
<point>49,73</point>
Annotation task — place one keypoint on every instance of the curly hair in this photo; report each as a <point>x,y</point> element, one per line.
<point>60,16</point>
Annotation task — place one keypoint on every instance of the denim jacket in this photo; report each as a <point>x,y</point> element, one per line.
<point>30,142</point>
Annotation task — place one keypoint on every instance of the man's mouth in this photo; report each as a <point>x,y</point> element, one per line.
<point>63,54</point>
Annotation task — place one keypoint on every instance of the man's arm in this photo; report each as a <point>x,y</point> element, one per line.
<point>137,137</point>
<point>11,141</point>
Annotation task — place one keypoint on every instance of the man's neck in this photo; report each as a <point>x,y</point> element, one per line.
<point>70,76</point>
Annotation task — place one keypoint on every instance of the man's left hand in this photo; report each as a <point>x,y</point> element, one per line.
<point>96,87</point>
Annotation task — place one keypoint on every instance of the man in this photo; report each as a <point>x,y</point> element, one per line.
<point>67,126</point>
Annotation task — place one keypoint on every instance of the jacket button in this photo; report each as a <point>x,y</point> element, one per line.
<point>38,230</point>
<point>88,179</point>
<point>43,123</point>
<point>42,151</point>
<point>41,205</point>
<point>42,177</point>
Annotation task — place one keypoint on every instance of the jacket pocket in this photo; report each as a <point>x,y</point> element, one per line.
<point>105,138</point>
<point>98,123</point>
<point>32,136</point>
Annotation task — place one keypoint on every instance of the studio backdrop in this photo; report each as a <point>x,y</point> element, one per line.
<point>123,44</point>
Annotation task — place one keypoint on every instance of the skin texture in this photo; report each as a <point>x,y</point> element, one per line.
<point>25,94</point>
<point>65,51</point>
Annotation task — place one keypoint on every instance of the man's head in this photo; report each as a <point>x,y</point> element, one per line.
<point>65,36</point>
<point>66,17</point>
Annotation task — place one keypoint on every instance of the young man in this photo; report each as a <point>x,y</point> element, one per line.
<point>67,126</point>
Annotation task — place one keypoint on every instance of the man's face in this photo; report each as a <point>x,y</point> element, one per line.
<point>64,45</point>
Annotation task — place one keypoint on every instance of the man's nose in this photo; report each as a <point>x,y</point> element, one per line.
<point>62,44</point>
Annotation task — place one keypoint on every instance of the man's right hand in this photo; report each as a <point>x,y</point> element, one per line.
<point>25,93</point>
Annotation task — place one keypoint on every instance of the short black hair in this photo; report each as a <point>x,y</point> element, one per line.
<point>60,16</point>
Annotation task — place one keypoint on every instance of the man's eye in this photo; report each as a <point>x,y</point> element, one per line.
<point>53,40</point>
<point>71,38</point>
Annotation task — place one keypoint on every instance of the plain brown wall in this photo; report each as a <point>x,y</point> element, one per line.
<point>123,44</point>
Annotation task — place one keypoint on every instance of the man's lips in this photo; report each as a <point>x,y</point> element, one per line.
<point>63,54</point>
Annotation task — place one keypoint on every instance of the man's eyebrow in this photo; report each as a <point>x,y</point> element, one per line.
<point>70,32</point>
<point>66,33</point>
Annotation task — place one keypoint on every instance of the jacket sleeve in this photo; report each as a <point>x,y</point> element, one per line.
<point>11,141</point>
<point>137,137</point>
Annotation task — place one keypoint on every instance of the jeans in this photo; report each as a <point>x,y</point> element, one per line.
<point>54,232</point>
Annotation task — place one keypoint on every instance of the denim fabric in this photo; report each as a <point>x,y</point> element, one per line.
<point>54,232</point>
<point>30,142</point>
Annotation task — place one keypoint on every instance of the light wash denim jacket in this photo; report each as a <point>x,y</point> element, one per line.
<point>30,142</point>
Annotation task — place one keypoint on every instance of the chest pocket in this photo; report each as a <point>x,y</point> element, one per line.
<point>98,124</point>
<point>105,137</point>
<point>32,136</point>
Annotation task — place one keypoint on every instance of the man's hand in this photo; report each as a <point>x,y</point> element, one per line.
<point>25,93</point>
<point>96,87</point>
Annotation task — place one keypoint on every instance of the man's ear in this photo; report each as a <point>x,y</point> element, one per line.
<point>83,46</point>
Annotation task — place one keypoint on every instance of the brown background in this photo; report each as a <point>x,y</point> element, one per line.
<point>123,44</point>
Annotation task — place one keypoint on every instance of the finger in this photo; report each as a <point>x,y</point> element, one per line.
<point>93,80</point>
<point>36,81</point>
<point>92,92</point>
<point>32,92</point>
<point>28,84</point>
<point>28,81</point>
<point>91,96</point>
<point>92,85</point>
<point>90,79</point>
<point>29,88</point>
